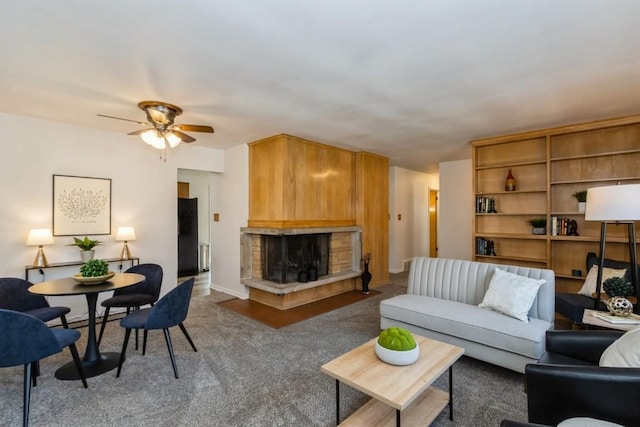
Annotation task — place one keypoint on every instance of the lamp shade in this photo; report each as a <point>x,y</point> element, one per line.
<point>613,203</point>
<point>40,236</point>
<point>125,233</point>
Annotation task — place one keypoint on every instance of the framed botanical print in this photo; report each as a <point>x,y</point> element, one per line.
<point>81,205</point>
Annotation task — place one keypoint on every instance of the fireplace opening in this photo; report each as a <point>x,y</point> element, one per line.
<point>289,257</point>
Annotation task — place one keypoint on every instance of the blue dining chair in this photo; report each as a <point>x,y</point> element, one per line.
<point>134,297</point>
<point>169,311</point>
<point>15,295</point>
<point>25,340</point>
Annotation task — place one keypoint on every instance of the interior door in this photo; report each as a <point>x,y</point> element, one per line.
<point>187,237</point>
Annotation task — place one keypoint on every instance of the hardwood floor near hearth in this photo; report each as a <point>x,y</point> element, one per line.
<point>276,318</point>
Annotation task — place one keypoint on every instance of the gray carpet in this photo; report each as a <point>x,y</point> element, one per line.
<point>244,374</point>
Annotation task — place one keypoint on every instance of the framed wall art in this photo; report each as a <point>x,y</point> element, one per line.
<point>81,205</point>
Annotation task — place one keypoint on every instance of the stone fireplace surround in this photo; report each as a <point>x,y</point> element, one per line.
<point>345,254</point>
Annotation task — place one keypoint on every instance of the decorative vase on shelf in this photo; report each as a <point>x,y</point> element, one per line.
<point>510,182</point>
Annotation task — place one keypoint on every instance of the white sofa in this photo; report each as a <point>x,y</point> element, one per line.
<point>442,303</point>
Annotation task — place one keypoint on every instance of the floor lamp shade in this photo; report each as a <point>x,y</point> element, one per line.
<point>613,203</point>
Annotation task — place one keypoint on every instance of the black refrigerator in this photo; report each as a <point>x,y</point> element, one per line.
<point>187,237</point>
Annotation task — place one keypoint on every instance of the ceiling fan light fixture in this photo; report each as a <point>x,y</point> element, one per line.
<point>153,138</point>
<point>172,139</point>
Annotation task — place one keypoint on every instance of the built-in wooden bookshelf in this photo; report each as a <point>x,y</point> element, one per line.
<point>549,166</point>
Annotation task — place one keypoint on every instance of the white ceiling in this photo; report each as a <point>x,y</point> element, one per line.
<point>413,80</point>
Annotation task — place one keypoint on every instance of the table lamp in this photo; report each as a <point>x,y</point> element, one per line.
<point>619,204</point>
<point>125,234</point>
<point>40,237</point>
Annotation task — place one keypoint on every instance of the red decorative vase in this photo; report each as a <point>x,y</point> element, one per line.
<point>510,183</point>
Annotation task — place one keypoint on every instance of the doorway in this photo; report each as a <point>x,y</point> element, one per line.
<point>433,223</point>
<point>195,199</point>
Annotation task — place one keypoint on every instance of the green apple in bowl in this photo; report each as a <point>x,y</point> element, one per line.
<point>397,346</point>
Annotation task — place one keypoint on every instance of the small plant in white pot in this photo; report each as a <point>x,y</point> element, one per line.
<point>539,225</point>
<point>581,197</point>
<point>397,346</point>
<point>86,246</point>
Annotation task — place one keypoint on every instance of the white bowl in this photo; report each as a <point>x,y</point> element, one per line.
<point>395,357</point>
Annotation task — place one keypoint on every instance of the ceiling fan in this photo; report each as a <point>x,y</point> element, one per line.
<point>163,131</point>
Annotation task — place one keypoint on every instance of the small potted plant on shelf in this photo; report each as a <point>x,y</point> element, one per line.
<point>86,246</point>
<point>581,197</point>
<point>539,225</point>
<point>397,346</point>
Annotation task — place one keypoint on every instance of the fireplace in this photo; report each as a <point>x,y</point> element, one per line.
<point>295,258</point>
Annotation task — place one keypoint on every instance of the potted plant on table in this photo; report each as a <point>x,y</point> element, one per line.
<point>86,246</point>
<point>539,225</point>
<point>581,197</point>
<point>397,346</point>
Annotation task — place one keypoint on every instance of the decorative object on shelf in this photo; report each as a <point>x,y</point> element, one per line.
<point>81,205</point>
<point>485,205</point>
<point>539,225</point>
<point>303,276</point>
<point>86,246</point>
<point>576,272</point>
<point>619,306</point>
<point>125,234</point>
<point>510,182</point>
<point>396,346</point>
<point>581,197</point>
<point>366,276</point>
<point>617,287</point>
<point>40,237</point>
<point>619,204</point>
<point>572,228</point>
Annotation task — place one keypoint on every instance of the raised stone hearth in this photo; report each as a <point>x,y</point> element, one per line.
<point>343,267</point>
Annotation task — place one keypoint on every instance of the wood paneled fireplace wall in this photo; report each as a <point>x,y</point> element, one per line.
<point>301,186</point>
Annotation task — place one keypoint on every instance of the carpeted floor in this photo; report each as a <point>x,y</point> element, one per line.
<point>244,374</point>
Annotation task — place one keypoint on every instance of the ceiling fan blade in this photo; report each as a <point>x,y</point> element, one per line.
<point>140,131</point>
<point>194,128</point>
<point>126,120</point>
<point>183,136</point>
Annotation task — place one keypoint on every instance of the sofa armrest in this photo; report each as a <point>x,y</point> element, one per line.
<point>556,392</point>
<point>584,345</point>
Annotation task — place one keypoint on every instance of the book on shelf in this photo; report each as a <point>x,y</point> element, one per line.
<point>631,319</point>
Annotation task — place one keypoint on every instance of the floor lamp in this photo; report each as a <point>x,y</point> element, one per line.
<point>619,204</point>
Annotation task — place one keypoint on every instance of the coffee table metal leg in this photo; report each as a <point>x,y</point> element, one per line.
<point>337,402</point>
<point>451,392</point>
<point>397,417</point>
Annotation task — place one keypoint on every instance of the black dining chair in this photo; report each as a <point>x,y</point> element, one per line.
<point>170,310</point>
<point>15,295</point>
<point>25,340</point>
<point>134,297</point>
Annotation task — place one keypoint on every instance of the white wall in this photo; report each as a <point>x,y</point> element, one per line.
<point>233,205</point>
<point>456,210</point>
<point>408,197</point>
<point>143,194</point>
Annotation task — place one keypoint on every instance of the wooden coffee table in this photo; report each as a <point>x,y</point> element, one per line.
<point>407,389</point>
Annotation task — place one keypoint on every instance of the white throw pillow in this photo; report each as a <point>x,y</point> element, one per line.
<point>511,294</point>
<point>623,352</point>
<point>589,286</point>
